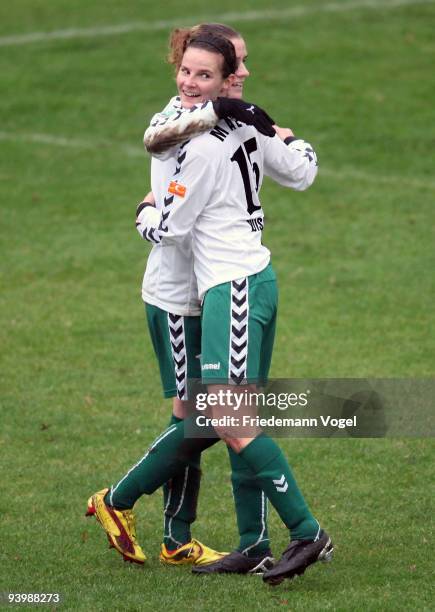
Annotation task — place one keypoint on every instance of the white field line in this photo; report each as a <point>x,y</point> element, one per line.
<point>74,143</point>
<point>138,152</point>
<point>378,179</point>
<point>259,15</point>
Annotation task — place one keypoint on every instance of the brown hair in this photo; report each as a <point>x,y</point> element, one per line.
<point>181,37</point>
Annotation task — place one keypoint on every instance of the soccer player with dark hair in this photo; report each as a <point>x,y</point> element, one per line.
<point>223,218</point>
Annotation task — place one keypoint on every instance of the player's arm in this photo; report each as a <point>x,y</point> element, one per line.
<point>187,192</point>
<point>147,220</point>
<point>291,162</point>
<point>174,126</point>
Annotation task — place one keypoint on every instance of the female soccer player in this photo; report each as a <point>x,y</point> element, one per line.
<point>172,306</point>
<point>170,293</point>
<point>232,267</point>
<point>238,290</point>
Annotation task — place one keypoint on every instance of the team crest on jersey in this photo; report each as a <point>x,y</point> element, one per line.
<point>177,189</point>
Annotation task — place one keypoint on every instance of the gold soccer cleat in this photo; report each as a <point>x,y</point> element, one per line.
<point>192,553</point>
<point>119,526</point>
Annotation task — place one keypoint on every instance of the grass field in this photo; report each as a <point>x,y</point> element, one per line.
<point>80,394</point>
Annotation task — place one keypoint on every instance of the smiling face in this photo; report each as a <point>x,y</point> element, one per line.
<point>199,77</point>
<point>236,90</point>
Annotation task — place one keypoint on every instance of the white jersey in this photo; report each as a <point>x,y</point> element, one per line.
<point>212,197</point>
<point>169,281</point>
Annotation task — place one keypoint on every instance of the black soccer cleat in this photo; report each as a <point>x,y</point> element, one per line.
<point>299,555</point>
<point>236,563</point>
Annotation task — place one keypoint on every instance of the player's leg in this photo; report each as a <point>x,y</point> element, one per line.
<point>226,308</point>
<point>180,349</point>
<point>177,344</point>
<point>251,509</point>
<point>261,454</point>
<point>308,542</point>
<point>168,456</point>
<point>180,498</point>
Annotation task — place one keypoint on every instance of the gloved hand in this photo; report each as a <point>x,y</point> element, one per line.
<point>251,114</point>
<point>141,206</point>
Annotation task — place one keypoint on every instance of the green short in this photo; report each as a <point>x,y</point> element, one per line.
<point>177,345</point>
<point>238,329</point>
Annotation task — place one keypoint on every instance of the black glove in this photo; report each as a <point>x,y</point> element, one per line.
<point>251,114</point>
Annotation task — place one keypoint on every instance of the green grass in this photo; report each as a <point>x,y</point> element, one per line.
<point>80,395</point>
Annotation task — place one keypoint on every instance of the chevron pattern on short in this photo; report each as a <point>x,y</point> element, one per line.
<point>179,354</point>
<point>239,330</point>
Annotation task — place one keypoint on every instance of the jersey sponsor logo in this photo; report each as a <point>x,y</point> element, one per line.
<point>211,366</point>
<point>177,189</point>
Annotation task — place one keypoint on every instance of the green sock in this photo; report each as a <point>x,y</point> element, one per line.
<point>167,457</point>
<point>180,501</point>
<point>267,461</point>
<point>251,508</point>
